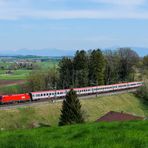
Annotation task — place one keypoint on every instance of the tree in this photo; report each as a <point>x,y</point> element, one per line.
<point>96,68</point>
<point>66,73</point>
<point>42,79</point>
<point>81,69</point>
<point>145,62</point>
<point>142,92</point>
<point>127,60</point>
<point>111,67</point>
<point>36,80</point>
<point>71,110</point>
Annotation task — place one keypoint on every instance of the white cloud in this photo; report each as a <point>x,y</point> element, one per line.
<point>122,2</point>
<point>17,9</point>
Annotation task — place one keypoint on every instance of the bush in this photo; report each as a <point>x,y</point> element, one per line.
<point>142,92</point>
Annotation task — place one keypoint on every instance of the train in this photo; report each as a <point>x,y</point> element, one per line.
<point>57,94</point>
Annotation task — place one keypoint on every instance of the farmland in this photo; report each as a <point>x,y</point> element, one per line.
<point>116,134</point>
<point>12,77</point>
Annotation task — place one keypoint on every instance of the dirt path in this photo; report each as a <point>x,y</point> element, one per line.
<point>4,83</point>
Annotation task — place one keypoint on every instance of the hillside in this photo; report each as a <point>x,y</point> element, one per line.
<point>49,113</point>
<point>102,135</point>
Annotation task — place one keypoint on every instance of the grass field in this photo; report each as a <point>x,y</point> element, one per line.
<point>49,64</point>
<point>99,135</point>
<point>12,89</point>
<point>16,75</point>
<point>22,73</point>
<point>49,113</point>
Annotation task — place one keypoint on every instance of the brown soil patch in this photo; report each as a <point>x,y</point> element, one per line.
<point>4,83</point>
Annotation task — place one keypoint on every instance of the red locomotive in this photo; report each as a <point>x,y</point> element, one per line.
<point>14,98</point>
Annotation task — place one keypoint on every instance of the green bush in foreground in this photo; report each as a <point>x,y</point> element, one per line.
<point>103,135</point>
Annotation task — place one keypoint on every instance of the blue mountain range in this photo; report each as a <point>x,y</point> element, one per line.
<point>61,52</point>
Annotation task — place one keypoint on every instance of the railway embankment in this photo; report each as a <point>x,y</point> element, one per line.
<point>48,112</point>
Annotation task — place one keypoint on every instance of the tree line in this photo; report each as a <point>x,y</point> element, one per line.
<point>97,68</point>
<point>88,68</point>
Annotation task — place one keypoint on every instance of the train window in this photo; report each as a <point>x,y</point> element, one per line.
<point>120,86</point>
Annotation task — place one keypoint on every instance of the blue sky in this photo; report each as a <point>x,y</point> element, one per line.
<point>73,24</point>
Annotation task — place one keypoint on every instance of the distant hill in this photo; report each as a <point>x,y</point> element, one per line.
<point>61,52</point>
<point>40,52</point>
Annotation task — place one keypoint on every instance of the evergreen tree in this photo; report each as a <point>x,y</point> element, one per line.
<point>65,73</point>
<point>96,68</point>
<point>81,69</point>
<point>71,110</point>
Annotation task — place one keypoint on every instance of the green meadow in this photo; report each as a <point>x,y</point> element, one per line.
<point>100,135</point>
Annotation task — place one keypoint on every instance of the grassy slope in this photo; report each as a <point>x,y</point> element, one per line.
<point>49,113</point>
<point>102,135</point>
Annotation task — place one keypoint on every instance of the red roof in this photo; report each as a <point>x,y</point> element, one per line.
<point>118,116</point>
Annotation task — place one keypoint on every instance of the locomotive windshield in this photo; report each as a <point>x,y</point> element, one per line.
<point>0,97</point>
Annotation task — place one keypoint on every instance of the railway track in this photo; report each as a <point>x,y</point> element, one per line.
<point>47,101</point>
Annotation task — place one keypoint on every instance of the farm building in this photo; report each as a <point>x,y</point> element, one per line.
<point>118,116</point>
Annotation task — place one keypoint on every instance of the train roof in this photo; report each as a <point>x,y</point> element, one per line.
<point>62,90</point>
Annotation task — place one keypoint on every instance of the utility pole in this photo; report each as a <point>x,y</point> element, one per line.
<point>55,83</point>
<point>55,87</point>
<point>97,90</point>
